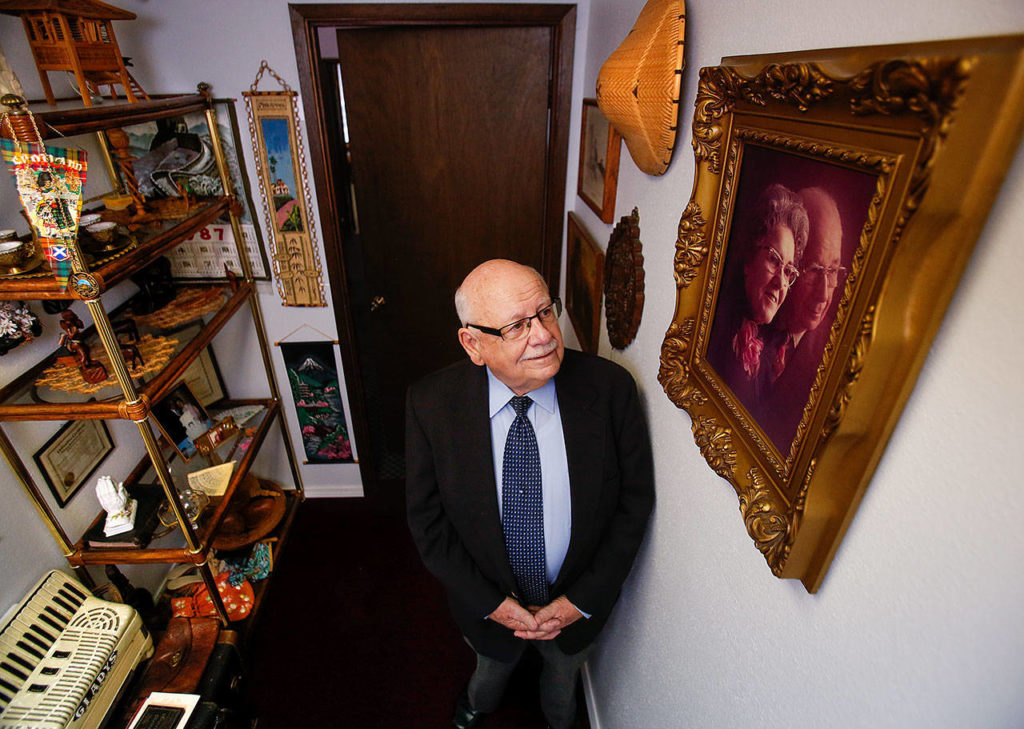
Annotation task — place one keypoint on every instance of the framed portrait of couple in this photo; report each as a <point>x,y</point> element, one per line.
<point>182,420</point>
<point>837,197</point>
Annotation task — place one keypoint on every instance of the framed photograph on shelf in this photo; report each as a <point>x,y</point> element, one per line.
<point>203,376</point>
<point>825,180</point>
<point>174,151</point>
<point>584,284</point>
<point>598,177</point>
<point>182,420</point>
<point>72,455</point>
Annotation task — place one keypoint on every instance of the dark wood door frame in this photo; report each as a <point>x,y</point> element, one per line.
<point>306,21</point>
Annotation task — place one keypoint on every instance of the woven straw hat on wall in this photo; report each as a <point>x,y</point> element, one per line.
<point>638,86</point>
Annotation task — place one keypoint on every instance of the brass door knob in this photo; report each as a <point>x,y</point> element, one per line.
<point>376,302</point>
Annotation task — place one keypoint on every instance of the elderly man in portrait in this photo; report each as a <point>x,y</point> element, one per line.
<point>805,318</point>
<point>529,485</point>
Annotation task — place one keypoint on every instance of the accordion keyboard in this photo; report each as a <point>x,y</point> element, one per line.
<point>34,627</point>
<point>81,675</point>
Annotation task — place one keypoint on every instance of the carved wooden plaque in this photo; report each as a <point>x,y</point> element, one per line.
<point>624,281</point>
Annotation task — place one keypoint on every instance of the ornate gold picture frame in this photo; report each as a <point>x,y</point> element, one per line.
<point>837,197</point>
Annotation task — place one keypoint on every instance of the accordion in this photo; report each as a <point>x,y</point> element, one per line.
<point>65,657</point>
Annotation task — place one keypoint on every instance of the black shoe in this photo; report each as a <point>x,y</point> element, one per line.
<point>465,716</point>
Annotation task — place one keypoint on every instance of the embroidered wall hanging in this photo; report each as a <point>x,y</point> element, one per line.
<point>314,381</point>
<point>281,171</point>
<point>50,181</point>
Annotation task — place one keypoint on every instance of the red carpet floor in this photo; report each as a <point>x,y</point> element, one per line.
<point>355,633</point>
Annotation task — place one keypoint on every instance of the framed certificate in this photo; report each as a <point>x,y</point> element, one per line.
<point>72,455</point>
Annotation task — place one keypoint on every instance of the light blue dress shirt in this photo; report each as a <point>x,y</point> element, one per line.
<point>554,467</point>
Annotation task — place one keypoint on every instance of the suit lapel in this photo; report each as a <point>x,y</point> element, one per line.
<point>583,428</point>
<point>478,490</point>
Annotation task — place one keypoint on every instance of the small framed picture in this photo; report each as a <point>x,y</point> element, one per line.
<point>203,375</point>
<point>182,420</point>
<point>584,284</point>
<point>209,441</point>
<point>599,162</point>
<point>72,455</point>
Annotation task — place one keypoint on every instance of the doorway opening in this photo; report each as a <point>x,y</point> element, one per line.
<point>439,139</point>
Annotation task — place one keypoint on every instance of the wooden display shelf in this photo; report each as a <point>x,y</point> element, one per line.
<point>84,120</point>
<point>113,408</point>
<point>36,286</point>
<point>261,588</point>
<point>207,530</point>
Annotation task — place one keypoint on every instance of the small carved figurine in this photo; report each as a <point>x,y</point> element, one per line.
<point>92,371</point>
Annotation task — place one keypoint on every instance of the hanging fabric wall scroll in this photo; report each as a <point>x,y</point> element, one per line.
<point>314,382</point>
<point>50,181</point>
<point>281,167</point>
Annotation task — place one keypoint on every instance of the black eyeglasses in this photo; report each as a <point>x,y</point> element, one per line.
<point>519,328</point>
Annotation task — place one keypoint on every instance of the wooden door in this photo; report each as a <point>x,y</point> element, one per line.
<point>448,140</point>
<point>453,160</point>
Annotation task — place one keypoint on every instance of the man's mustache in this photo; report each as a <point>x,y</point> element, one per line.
<point>542,350</point>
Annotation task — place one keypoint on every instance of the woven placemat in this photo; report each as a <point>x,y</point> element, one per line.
<point>155,351</point>
<point>190,303</point>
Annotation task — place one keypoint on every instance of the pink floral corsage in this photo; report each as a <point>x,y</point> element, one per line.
<point>747,346</point>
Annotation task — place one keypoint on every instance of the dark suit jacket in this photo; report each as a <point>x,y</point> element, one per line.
<point>453,506</point>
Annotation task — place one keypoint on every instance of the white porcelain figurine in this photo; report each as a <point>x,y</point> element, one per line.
<point>120,509</point>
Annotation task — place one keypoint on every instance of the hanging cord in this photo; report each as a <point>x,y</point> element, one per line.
<point>328,337</point>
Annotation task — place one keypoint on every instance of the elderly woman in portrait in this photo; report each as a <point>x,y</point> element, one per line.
<point>758,277</point>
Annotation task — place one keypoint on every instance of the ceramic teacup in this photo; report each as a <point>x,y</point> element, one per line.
<point>102,232</point>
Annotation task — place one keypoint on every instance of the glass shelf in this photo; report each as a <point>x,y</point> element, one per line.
<point>241,448</point>
<point>152,239</point>
<point>38,395</point>
<point>72,117</point>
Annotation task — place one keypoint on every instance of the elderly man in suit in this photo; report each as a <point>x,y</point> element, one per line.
<point>529,485</point>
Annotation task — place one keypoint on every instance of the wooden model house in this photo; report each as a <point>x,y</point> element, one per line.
<point>76,36</point>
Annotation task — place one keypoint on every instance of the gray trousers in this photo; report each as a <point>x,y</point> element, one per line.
<point>558,677</point>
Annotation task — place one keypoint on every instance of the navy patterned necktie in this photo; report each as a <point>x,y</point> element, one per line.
<point>522,507</point>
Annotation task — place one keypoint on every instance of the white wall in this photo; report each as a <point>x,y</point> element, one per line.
<point>919,620</point>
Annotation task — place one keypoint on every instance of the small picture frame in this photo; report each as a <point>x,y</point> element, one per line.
<point>72,455</point>
<point>584,284</point>
<point>203,375</point>
<point>600,145</point>
<point>182,420</point>
<point>209,441</point>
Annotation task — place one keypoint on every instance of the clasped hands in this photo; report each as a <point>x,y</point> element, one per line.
<point>536,623</point>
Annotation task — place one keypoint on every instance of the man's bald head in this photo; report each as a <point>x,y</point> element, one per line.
<point>495,294</point>
<point>482,280</point>
<point>811,297</point>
